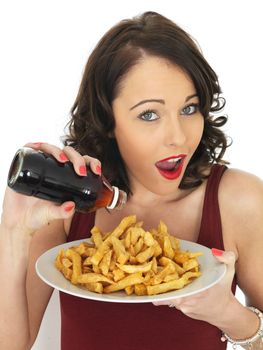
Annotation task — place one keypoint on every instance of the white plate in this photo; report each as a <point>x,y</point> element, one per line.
<point>212,273</point>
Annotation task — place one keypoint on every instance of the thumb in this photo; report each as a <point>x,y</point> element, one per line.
<point>63,211</point>
<point>227,257</point>
<point>44,212</point>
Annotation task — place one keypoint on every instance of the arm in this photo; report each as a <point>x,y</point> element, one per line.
<point>241,208</point>
<point>25,233</point>
<point>30,226</point>
<point>24,296</point>
<point>245,230</point>
<point>38,293</point>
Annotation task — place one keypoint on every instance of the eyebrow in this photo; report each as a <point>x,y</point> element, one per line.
<point>159,101</point>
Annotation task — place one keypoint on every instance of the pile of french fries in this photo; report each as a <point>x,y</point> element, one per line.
<point>130,259</point>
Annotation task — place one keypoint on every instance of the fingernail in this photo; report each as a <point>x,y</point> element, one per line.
<point>63,157</point>
<point>217,252</point>
<point>83,170</point>
<point>69,207</point>
<point>37,144</point>
<point>98,169</point>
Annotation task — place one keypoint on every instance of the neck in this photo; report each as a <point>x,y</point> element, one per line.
<point>147,199</point>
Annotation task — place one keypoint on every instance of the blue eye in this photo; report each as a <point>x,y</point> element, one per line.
<point>190,109</point>
<point>148,115</point>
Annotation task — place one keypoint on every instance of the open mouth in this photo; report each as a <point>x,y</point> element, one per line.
<point>171,167</point>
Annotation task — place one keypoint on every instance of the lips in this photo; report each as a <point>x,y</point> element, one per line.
<point>171,168</point>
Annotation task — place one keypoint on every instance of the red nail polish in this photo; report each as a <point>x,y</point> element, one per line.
<point>83,170</point>
<point>63,157</point>
<point>217,252</point>
<point>69,207</point>
<point>98,170</point>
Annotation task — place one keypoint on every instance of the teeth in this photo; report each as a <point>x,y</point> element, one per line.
<point>174,160</point>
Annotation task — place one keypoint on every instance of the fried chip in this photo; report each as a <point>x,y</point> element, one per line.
<point>131,259</point>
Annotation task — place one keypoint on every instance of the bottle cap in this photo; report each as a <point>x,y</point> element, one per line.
<point>119,199</point>
<point>122,199</point>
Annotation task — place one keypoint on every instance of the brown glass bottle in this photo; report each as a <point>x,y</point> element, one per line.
<point>35,173</point>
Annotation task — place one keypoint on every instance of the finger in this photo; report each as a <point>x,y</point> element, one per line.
<point>69,154</point>
<point>55,151</point>
<point>94,164</point>
<point>77,160</point>
<point>160,303</point>
<point>168,303</point>
<point>43,214</point>
<point>227,257</point>
<point>34,145</point>
<point>64,211</point>
<point>80,162</point>
<point>174,302</point>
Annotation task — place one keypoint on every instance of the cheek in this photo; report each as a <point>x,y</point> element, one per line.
<point>132,145</point>
<point>195,132</point>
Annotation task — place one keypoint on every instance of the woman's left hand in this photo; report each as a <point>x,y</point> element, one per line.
<point>210,304</point>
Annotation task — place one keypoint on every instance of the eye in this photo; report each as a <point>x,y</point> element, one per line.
<point>148,115</point>
<point>190,109</point>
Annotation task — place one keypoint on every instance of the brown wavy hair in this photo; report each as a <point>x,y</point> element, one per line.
<point>121,48</point>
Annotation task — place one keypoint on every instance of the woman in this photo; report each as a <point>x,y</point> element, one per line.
<point>144,113</point>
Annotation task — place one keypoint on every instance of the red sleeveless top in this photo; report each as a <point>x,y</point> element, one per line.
<point>96,325</point>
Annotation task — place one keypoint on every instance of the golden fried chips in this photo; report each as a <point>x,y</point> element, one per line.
<point>130,259</point>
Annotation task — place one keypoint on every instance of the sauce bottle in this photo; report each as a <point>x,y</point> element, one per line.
<point>35,173</point>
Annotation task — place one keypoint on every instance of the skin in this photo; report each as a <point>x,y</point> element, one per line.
<point>40,225</point>
<point>175,127</point>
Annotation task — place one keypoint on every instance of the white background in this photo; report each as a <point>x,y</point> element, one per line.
<point>44,47</point>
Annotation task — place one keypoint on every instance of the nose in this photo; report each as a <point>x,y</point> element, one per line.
<point>174,134</point>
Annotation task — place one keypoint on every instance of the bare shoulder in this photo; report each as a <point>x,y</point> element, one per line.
<point>242,192</point>
<point>239,177</point>
<point>241,206</point>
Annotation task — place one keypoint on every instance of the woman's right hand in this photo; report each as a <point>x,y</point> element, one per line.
<point>28,214</point>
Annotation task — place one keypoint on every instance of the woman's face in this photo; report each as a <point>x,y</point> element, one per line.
<point>158,124</point>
